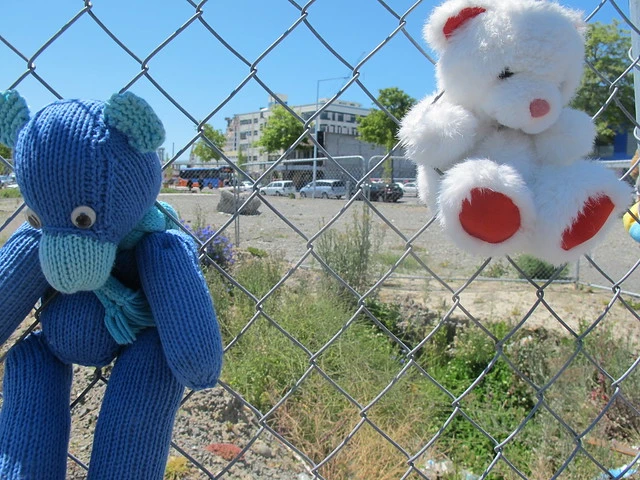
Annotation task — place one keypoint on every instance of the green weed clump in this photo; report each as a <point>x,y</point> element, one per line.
<point>10,193</point>
<point>536,269</point>
<point>350,254</point>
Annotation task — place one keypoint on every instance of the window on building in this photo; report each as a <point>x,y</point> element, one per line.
<point>243,135</point>
<point>306,115</point>
<point>351,118</point>
<point>333,129</point>
<point>340,117</point>
<point>339,129</point>
<point>245,122</point>
<point>354,131</point>
<point>255,133</point>
<point>324,116</point>
<point>255,120</point>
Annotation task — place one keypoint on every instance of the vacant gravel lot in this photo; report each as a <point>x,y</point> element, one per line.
<point>396,224</point>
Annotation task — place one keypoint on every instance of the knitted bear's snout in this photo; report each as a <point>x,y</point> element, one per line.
<point>73,263</point>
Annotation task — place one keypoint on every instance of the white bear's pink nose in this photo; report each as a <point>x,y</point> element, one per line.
<point>539,108</point>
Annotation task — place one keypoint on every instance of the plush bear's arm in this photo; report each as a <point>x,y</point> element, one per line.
<point>22,282</point>
<point>567,140</point>
<point>181,306</point>
<point>438,134</point>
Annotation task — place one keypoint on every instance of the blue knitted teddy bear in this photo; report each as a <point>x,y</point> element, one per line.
<point>118,281</point>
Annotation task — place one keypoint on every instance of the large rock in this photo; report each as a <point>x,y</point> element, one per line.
<point>229,203</point>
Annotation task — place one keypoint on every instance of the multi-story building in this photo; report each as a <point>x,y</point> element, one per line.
<point>339,120</point>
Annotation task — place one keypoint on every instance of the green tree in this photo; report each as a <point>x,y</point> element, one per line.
<point>379,128</point>
<point>5,152</point>
<point>202,149</point>
<point>607,47</point>
<point>242,158</point>
<point>280,131</point>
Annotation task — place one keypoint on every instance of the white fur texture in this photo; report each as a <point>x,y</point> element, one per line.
<point>507,74</point>
<point>438,134</point>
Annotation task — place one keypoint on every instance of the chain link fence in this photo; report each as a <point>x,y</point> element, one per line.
<point>415,361</point>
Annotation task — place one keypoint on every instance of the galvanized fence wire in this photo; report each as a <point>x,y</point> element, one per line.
<point>414,457</point>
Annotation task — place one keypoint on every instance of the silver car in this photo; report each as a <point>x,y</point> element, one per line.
<point>324,189</point>
<point>410,189</point>
<point>279,188</point>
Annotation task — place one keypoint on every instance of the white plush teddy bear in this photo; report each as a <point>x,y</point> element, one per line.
<point>498,152</point>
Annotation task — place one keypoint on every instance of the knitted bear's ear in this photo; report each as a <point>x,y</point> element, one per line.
<point>14,114</point>
<point>448,19</point>
<point>135,118</point>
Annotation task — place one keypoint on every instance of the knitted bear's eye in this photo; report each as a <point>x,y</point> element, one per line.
<point>33,219</point>
<point>506,73</point>
<point>83,217</point>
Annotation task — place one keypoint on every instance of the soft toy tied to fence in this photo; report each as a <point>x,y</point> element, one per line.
<point>117,280</point>
<point>499,153</point>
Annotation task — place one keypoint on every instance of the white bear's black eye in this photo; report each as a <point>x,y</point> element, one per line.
<point>506,73</point>
<point>33,219</point>
<point>83,217</point>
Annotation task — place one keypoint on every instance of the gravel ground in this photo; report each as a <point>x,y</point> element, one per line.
<point>213,423</point>
<point>616,255</point>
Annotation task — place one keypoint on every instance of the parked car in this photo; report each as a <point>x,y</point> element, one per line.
<point>243,185</point>
<point>373,191</point>
<point>410,189</point>
<point>392,192</point>
<point>7,181</point>
<point>387,192</point>
<point>324,189</point>
<point>279,188</point>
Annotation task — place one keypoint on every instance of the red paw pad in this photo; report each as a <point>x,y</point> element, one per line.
<point>489,216</point>
<point>590,220</point>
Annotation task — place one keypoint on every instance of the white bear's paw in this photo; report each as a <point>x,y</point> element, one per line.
<point>576,206</point>
<point>489,216</point>
<point>594,214</point>
<point>485,207</point>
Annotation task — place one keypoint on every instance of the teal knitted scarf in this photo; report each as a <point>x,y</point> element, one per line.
<point>126,311</point>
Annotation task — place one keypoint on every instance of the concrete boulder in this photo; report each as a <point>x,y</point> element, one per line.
<point>229,203</point>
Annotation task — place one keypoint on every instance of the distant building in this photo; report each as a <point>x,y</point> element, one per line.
<point>337,130</point>
<point>623,147</point>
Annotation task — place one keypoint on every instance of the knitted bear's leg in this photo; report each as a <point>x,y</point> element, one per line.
<point>486,207</point>
<point>35,419</point>
<point>134,427</point>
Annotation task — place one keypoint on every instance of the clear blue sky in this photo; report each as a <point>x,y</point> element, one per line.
<point>198,71</point>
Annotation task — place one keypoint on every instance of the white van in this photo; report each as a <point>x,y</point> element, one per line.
<point>279,188</point>
<point>324,189</point>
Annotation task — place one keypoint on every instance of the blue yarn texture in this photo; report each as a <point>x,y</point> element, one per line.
<point>121,283</point>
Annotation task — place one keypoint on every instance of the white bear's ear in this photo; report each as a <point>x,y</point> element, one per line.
<point>449,18</point>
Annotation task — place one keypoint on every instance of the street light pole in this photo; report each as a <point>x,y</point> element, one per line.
<point>315,132</point>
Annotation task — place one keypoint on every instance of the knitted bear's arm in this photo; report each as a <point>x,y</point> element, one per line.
<point>181,306</point>
<point>438,134</point>
<point>22,282</point>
